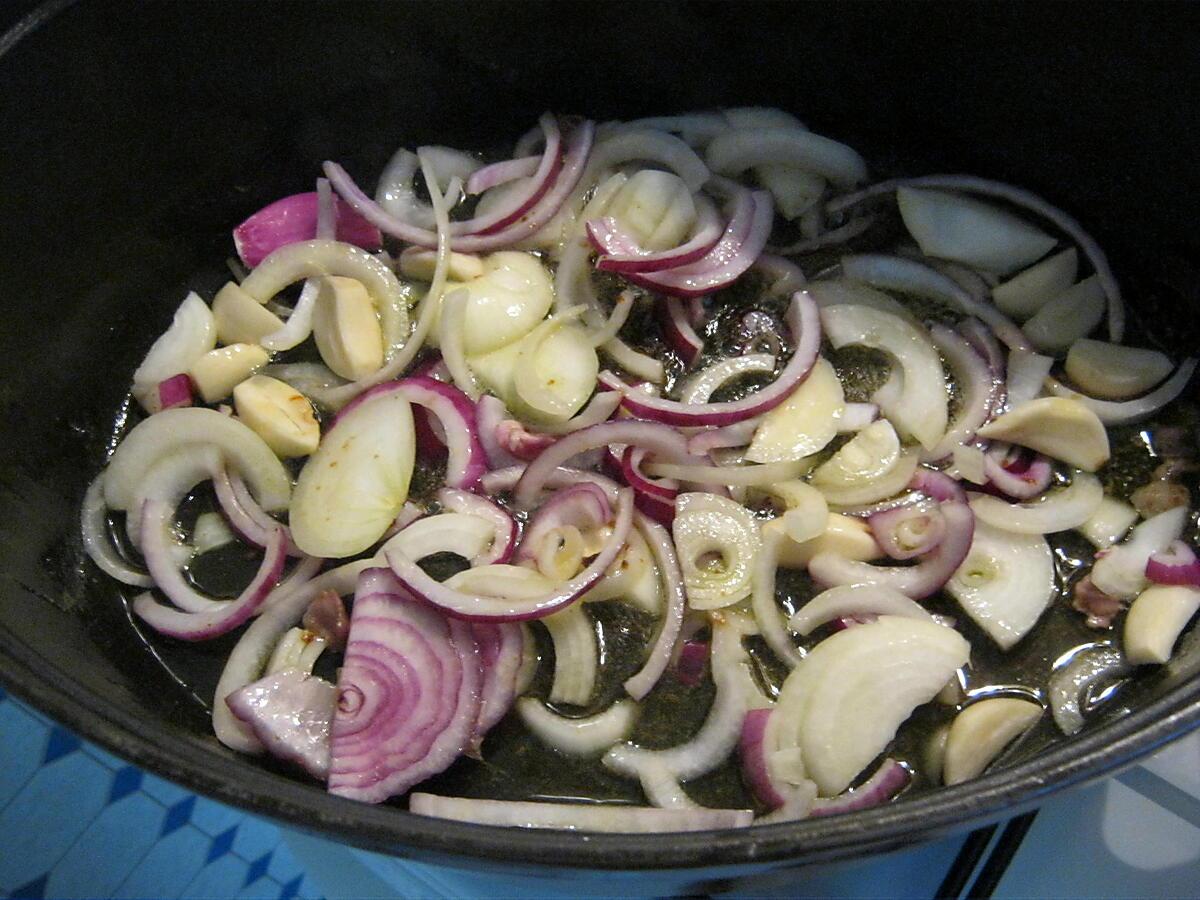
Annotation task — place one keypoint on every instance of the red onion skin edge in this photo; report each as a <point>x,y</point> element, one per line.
<point>501,649</point>
<point>693,662</point>
<point>202,626</point>
<point>467,461</point>
<point>659,658</point>
<point>804,322</point>
<point>621,253</point>
<point>888,781</point>
<point>884,525</point>
<point>487,609</point>
<point>659,439</point>
<point>499,173</point>
<point>294,219</point>
<point>245,517</point>
<point>678,331</point>
<point>1177,565</point>
<point>174,392</point>
<point>754,759</point>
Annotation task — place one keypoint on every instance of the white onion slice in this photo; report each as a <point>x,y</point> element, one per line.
<point>578,737</point>
<point>191,334</point>
<point>805,422</point>
<point>849,600</point>
<point>350,490</point>
<point>700,387</point>
<point>763,602</point>
<point>98,544</point>
<point>1059,510</point>
<point>576,656</point>
<point>1085,668</point>
<point>1027,371</point>
<point>895,273</point>
<point>578,816</point>
<point>710,526</point>
<point>1112,412</point>
<point>921,408</point>
<point>172,430</point>
<point>1120,571</point>
<point>733,152</point>
<point>1005,583</point>
<point>659,541</point>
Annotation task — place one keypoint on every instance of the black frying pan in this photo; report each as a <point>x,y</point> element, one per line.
<point>133,136</point>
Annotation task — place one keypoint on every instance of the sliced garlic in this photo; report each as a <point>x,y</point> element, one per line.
<point>240,318</point>
<point>346,328</point>
<point>1155,621</point>
<point>981,731</point>
<point>218,372</point>
<point>1068,317</point>
<point>843,535</point>
<point>420,264</point>
<point>1057,426</point>
<point>806,514</point>
<point>1114,371</point>
<point>279,414</point>
<point>1024,294</point>
<point>1109,523</point>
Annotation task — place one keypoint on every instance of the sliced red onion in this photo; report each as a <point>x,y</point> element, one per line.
<point>620,251</point>
<point>490,413</point>
<point>98,544</point>
<point>631,471</point>
<point>1175,565</point>
<point>740,245</point>
<point>491,609</point>
<point>507,530</point>
<point>919,581</point>
<point>699,388</point>
<point>578,816</point>
<point>1017,472</point>
<point>599,409</point>
<point>579,144</point>
<point>281,610</point>
<point>456,413</point>
<point>738,434</point>
<point>523,200</point>
<point>213,622</point>
<point>290,713</point>
<point>719,734</point>
<point>1026,200</point>
<point>1113,412</point>
<point>983,342</point>
<point>889,780</point>
<point>294,219</point>
<point>326,617</point>
<point>908,531</point>
<point>250,521</point>
<point>678,331</point>
<point>937,485</point>
<point>506,479</point>
<point>752,750</point>
<point>665,558</point>
<point>518,442</point>
<point>899,274</point>
<point>659,439</point>
<point>501,653</point>
<point>503,172</point>
<point>408,694</point>
<point>693,660</point>
<point>803,320</point>
<point>174,392</point>
<point>854,604</point>
<point>584,506</point>
<point>977,383</point>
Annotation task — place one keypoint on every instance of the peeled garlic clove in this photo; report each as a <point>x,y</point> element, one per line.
<point>981,731</point>
<point>240,318</point>
<point>218,372</point>
<point>1114,371</point>
<point>1057,426</point>
<point>844,535</point>
<point>420,263</point>
<point>1068,317</point>
<point>1155,621</point>
<point>279,414</point>
<point>1024,294</point>
<point>1109,523</point>
<point>346,328</point>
